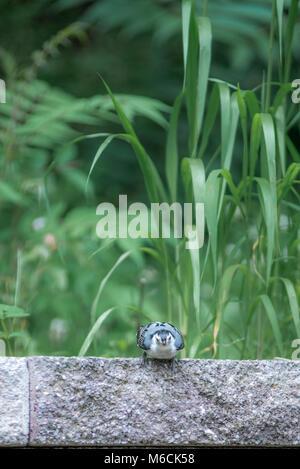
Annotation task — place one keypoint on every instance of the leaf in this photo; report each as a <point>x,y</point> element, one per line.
<point>123,118</point>
<point>252,103</point>
<point>172,150</point>
<point>229,121</point>
<point>186,15</point>
<point>289,35</point>
<point>10,194</point>
<point>267,205</point>
<point>255,139</point>
<point>270,145</point>
<point>263,136</point>
<point>8,311</point>
<point>205,39</point>
<point>197,73</point>
<point>18,334</point>
<point>234,190</point>
<point>98,154</point>
<point>292,297</point>
<point>103,283</point>
<point>225,118</point>
<point>280,133</point>
<point>191,80</point>
<point>193,174</point>
<point>271,313</point>
<point>244,124</point>
<point>279,99</point>
<point>288,181</point>
<point>223,298</point>
<point>292,149</point>
<point>227,151</point>
<point>75,177</point>
<point>279,12</point>
<point>151,177</point>
<point>212,195</point>
<point>90,337</point>
<point>210,117</point>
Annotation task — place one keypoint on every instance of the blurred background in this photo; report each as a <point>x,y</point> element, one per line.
<point>51,55</point>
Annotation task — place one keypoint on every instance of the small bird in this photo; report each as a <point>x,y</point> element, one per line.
<point>159,340</point>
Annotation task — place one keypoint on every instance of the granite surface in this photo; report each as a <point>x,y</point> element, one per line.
<point>98,401</point>
<point>14,402</point>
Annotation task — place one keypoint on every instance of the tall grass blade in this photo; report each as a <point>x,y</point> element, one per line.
<point>280,134</point>
<point>205,37</point>
<point>289,35</point>
<point>267,206</point>
<point>212,195</point>
<point>91,335</point>
<point>193,174</point>
<point>271,313</point>
<point>287,184</point>
<point>270,146</point>
<point>19,276</point>
<point>279,12</point>
<point>231,137</point>
<point>223,298</point>
<point>172,150</point>
<point>103,283</point>
<point>186,10</point>
<point>98,154</point>
<point>244,124</point>
<point>255,138</point>
<point>224,93</point>
<point>293,302</point>
<point>210,118</point>
<point>197,73</point>
<point>152,179</point>
<point>252,103</point>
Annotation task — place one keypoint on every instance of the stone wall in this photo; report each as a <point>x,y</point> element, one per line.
<point>59,401</point>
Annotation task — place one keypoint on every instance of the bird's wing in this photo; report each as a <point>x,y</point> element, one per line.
<point>139,333</point>
<point>179,342</point>
<point>140,337</point>
<point>144,336</point>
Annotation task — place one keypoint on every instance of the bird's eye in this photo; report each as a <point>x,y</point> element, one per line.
<point>157,338</point>
<point>169,338</point>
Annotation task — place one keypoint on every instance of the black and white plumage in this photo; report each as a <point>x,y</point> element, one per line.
<point>159,340</point>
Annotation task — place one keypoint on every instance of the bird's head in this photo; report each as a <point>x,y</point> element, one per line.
<point>163,337</point>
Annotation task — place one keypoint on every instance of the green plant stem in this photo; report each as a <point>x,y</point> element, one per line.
<point>293,15</point>
<point>6,337</point>
<point>259,333</point>
<point>168,288</point>
<point>270,60</point>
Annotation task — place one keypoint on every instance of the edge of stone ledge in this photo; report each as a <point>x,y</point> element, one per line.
<point>14,402</point>
<point>21,396</point>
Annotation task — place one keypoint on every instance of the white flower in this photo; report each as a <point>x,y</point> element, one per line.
<point>38,223</point>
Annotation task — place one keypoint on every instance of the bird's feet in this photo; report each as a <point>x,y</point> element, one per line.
<point>144,359</point>
<point>173,360</point>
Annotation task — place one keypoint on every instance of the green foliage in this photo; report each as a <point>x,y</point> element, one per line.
<point>47,214</point>
<point>63,290</point>
<point>248,209</point>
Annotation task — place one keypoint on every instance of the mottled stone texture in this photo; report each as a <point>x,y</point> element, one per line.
<point>97,401</point>
<point>14,402</point>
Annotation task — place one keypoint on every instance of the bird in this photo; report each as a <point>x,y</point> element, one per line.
<point>159,340</point>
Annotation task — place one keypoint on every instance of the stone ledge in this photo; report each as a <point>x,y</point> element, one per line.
<point>14,402</point>
<point>92,401</point>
